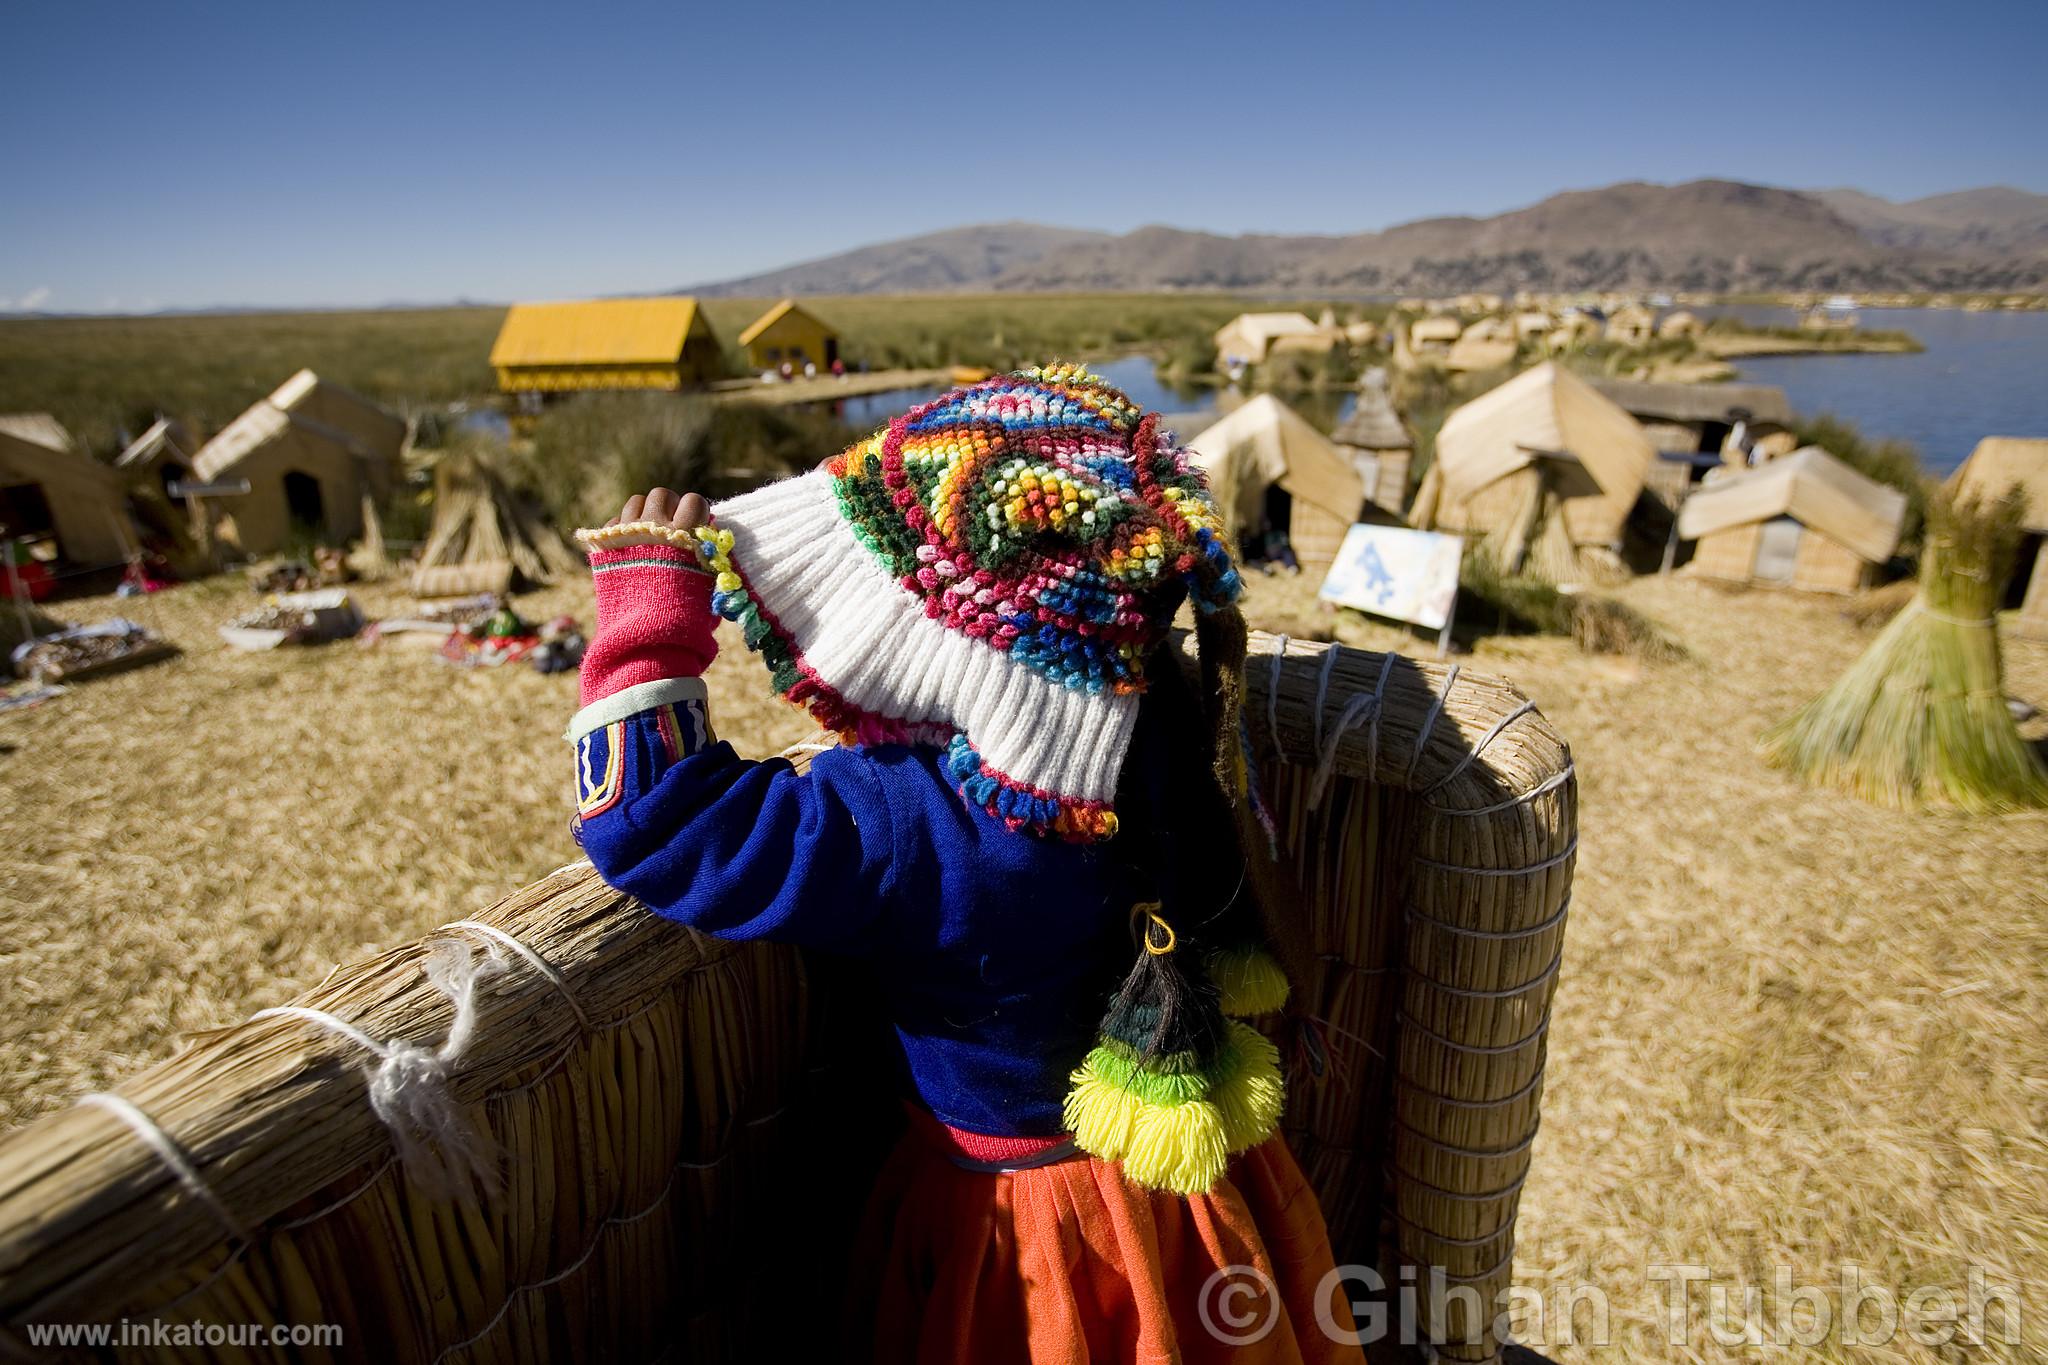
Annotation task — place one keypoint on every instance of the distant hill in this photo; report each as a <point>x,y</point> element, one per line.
<point>1718,235</point>
<point>958,258</point>
<point>1997,218</point>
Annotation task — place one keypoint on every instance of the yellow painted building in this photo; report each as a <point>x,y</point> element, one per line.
<point>787,333</point>
<point>604,344</point>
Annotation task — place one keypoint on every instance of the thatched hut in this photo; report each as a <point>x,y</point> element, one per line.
<point>1633,325</point>
<point>163,453</point>
<point>1378,446</point>
<point>1697,418</point>
<point>1575,328</point>
<point>1434,335</point>
<point>2000,463</point>
<point>311,451</point>
<point>1487,344</point>
<point>1542,462</point>
<point>1271,469</point>
<point>52,491</point>
<point>1804,521</point>
<point>1682,323</point>
<point>1249,338</point>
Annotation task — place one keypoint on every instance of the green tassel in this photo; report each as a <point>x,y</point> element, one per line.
<point>1249,980</point>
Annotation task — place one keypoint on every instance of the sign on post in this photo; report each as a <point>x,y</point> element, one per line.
<point>1392,571</point>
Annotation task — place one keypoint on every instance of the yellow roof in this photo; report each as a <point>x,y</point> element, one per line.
<point>773,316</point>
<point>595,332</point>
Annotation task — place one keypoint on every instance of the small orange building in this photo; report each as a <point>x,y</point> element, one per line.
<point>787,333</point>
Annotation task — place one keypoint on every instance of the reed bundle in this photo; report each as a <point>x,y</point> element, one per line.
<point>661,1107</point>
<point>479,521</point>
<point>1921,718</point>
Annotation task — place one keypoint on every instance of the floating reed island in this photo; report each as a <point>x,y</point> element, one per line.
<point>635,1114</point>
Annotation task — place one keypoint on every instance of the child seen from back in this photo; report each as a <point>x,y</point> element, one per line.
<point>1029,795</point>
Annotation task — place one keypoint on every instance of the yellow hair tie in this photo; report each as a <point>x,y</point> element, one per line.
<point>1150,910</point>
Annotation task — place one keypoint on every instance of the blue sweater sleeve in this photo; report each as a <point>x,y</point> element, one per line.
<point>736,848</point>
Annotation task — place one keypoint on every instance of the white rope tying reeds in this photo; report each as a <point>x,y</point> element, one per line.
<point>1550,783</point>
<point>409,1087</point>
<point>1436,708</point>
<point>171,1154</point>
<point>1274,666</point>
<point>1535,1035</point>
<point>1360,706</point>
<point>1330,653</point>
<point>532,959</point>
<point>1526,931</point>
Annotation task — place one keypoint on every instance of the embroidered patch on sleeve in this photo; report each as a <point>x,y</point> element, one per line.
<point>600,769</point>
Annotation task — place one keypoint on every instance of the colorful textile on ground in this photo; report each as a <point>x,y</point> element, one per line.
<point>988,574</point>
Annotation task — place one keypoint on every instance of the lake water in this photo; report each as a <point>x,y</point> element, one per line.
<point>1140,382</point>
<point>1982,374</point>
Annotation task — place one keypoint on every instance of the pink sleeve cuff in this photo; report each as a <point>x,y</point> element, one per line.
<point>654,619</point>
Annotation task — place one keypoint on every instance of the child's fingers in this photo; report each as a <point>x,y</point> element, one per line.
<point>661,505</point>
<point>692,512</point>
<point>631,511</point>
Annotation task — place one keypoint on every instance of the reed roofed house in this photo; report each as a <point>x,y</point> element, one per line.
<point>311,452</point>
<point>1633,325</point>
<point>52,491</point>
<point>787,332</point>
<point>1435,335</point>
<point>660,343</point>
<point>1805,520</point>
<point>1693,423</point>
<point>1270,469</point>
<point>2000,463</point>
<point>1487,344</point>
<point>1249,338</point>
<point>1544,468</point>
<point>1683,323</point>
<point>1378,446</point>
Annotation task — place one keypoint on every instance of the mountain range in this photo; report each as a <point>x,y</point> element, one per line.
<point>1705,235</point>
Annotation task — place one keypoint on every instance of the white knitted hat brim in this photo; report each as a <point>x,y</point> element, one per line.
<point>868,639</point>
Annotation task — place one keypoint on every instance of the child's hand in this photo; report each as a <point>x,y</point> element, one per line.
<point>681,512</point>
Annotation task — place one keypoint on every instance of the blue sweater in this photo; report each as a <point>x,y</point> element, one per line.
<point>994,952</point>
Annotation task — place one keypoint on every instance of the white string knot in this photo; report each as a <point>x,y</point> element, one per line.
<point>410,1087</point>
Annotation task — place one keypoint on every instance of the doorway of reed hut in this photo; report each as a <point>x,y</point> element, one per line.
<point>303,501</point>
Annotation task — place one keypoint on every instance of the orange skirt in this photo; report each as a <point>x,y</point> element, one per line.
<point>1070,1263</point>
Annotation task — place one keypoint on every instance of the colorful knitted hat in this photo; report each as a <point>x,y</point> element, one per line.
<point>990,573</point>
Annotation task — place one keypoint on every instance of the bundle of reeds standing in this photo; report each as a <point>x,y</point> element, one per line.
<point>368,557</point>
<point>680,1128</point>
<point>478,520</point>
<point>1921,718</point>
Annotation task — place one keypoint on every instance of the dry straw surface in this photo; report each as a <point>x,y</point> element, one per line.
<point>1792,1028</point>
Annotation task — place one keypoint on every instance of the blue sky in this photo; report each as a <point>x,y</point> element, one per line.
<point>180,155</point>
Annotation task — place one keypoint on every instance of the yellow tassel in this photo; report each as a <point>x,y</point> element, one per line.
<point>1100,1116</point>
<point>1177,1147</point>
<point>1182,1147</point>
<point>1250,1095</point>
<point>1250,981</point>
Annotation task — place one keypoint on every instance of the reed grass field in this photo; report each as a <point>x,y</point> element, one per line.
<point>1792,1029</point>
<point>99,375</point>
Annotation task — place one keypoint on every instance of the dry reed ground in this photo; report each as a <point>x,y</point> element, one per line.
<point>1793,1029</point>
